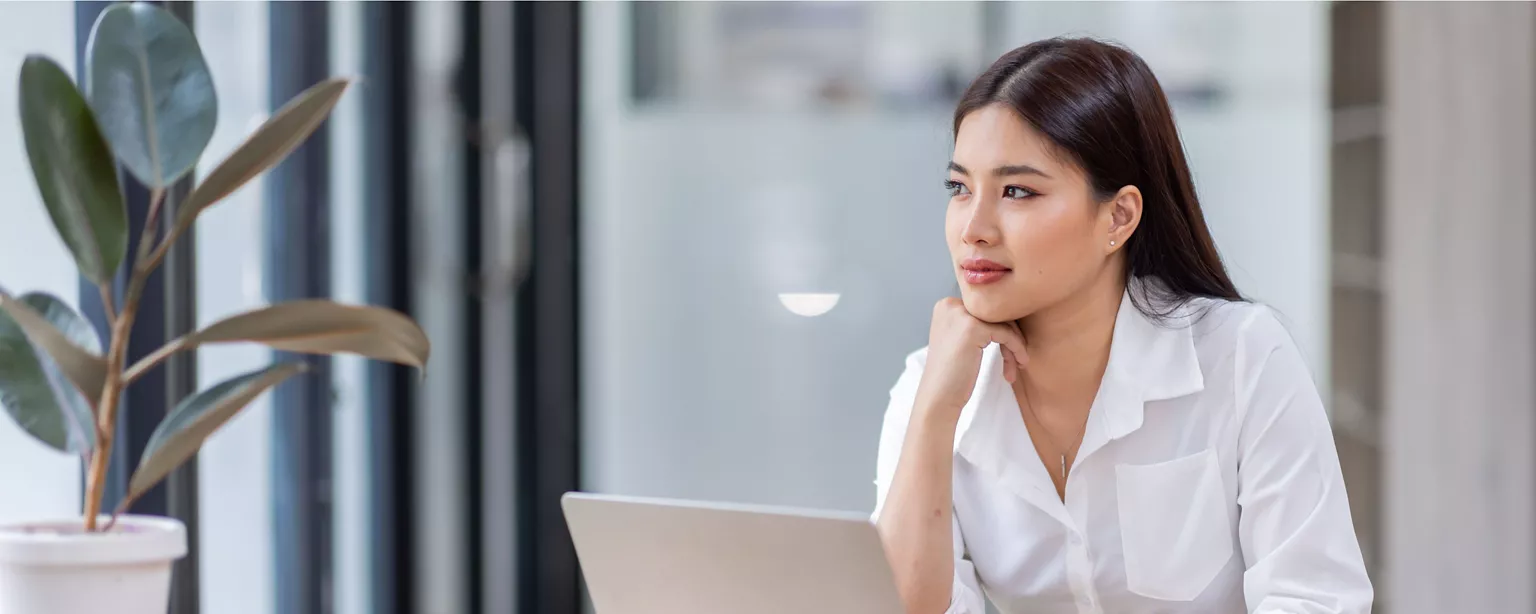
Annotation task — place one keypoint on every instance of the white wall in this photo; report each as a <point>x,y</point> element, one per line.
<point>352,511</point>
<point>1260,158</point>
<point>35,481</point>
<point>1460,287</point>
<point>235,465</point>
<point>438,208</point>
<point>698,384</point>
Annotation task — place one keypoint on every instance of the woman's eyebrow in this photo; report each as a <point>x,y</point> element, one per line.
<point>1011,170</point>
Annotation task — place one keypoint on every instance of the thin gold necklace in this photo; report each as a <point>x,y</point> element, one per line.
<point>1029,406</point>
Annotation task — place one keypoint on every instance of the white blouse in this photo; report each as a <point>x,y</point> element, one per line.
<point>1207,481</point>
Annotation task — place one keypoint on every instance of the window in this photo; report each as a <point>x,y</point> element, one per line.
<point>353,517</point>
<point>234,472</point>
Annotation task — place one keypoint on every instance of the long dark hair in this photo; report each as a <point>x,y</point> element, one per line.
<point>1100,105</point>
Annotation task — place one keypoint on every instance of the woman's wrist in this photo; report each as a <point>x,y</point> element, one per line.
<point>933,413</point>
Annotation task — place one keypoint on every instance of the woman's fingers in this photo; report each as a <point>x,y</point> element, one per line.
<point>1010,368</point>
<point>1015,357</point>
<point>1023,355</point>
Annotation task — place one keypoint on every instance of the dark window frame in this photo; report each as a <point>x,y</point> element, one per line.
<point>391,389</point>
<point>298,238</point>
<point>167,310</point>
<point>547,60</point>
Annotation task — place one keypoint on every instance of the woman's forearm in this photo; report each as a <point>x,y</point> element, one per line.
<point>915,524</point>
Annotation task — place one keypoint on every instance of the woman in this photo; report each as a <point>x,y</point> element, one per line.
<point>1100,423</point>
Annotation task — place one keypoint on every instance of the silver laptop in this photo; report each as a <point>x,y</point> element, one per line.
<point>659,556</point>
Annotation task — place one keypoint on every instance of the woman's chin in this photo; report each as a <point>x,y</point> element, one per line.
<point>986,309</point>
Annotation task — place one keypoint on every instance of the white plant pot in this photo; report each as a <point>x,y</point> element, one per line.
<point>53,567</point>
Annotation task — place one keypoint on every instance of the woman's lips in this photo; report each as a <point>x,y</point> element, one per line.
<point>977,278</point>
<point>979,271</point>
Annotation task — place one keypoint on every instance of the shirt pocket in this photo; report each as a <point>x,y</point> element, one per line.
<point>1175,528</point>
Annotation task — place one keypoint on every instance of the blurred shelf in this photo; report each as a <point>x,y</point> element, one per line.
<point>1351,418</point>
<point>1357,123</point>
<point>1356,272</point>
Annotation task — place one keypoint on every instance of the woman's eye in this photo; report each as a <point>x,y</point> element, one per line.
<point>1017,192</point>
<point>955,188</point>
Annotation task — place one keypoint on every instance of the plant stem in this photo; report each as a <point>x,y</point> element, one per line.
<point>147,237</point>
<point>106,302</point>
<point>153,260</point>
<point>150,259</point>
<point>111,391</point>
<point>121,507</point>
<point>94,480</point>
<point>117,354</point>
<point>155,257</point>
<point>148,362</point>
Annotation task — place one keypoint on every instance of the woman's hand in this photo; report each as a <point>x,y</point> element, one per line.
<point>955,342</point>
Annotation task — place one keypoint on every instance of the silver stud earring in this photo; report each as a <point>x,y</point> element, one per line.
<point>1111,242</point>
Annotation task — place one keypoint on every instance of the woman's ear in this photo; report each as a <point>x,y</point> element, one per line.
<point>1124,216</point>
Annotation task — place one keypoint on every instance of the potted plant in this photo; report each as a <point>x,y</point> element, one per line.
<point>146,103</point>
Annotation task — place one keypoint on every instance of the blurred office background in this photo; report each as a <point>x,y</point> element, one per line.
<point>680,249</point>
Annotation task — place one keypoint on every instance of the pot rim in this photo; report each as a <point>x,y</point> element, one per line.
<point>135,539</point>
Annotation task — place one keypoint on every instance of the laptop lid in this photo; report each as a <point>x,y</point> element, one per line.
<point>661,556</point>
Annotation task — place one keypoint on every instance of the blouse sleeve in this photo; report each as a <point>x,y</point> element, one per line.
<point>965,596</point>
<point>1298,541</point>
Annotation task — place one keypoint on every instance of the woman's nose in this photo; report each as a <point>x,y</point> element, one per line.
<point>981,228</point>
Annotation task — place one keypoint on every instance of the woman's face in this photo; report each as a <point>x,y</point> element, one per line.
<point>1023,227</point>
